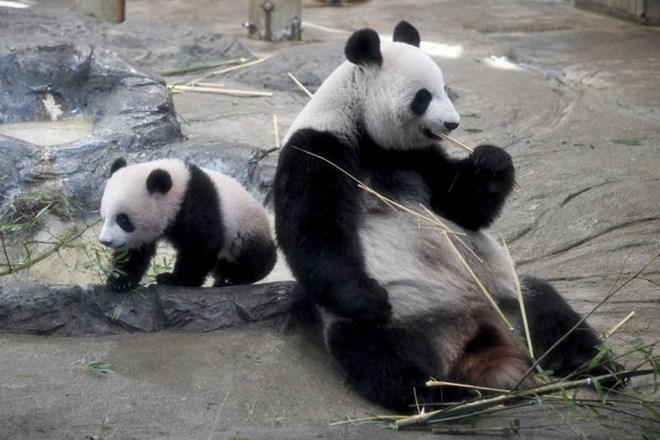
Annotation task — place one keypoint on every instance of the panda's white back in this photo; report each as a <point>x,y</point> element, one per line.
<point>241,212</point>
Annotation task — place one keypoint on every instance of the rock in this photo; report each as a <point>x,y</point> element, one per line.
<point>70,310</point>
<point>149,45</point>
<point>311,64</point>
<point>130,110</point>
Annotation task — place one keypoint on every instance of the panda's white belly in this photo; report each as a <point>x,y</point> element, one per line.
<point>415,261</point>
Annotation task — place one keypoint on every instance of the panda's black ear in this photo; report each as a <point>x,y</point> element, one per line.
<point>118,163</point>
<point>363,48</point>
<point>405,32</point>
<point>159,181</point>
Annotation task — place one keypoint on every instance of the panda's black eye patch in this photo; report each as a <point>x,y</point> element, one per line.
<point>125,223</point>
<point>421,102</point>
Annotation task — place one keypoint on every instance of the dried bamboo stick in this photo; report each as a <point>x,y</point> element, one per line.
<point>276,132</point>
<point>521,302</point>
<point>299,84</point>
<point>211,85</point>
<point>247,93</point>
<point>439,383</point>
<point>616,328</point>
<point>240,66</point>
<point>453,141</point>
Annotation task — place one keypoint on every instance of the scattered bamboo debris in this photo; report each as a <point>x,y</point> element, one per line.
<point>196,67</point>
<point>220,91</point>
<point>276,132</point>
<point>616,328</point>
<point>211,85</point>
<point>440,383</point>
<point>521,303</point>
<point>482,405</point>
<point>239,66</point>
<point>453,141</point>
<point>299,84</point>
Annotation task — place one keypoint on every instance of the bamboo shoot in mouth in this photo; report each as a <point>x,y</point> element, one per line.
<point>453,141</point>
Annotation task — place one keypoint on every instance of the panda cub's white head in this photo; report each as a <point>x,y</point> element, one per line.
<point>140,201</point>
<point>405,98</point>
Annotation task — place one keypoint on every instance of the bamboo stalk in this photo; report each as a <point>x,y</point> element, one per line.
<point>196,67</point>
<point>440,383</point>
<point>240,66</point>
<point>453,141</point>
<point>276,132</point>
<point>472,408</point>
<point>299,84</point>
<point>62,240</point>
<point>616,328</point>
<point>521,302</point>
<point>231,92</point>
<point>584,318</point>
<point>211,85</point>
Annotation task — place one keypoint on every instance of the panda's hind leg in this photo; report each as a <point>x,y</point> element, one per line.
<point>253,261</point>
<point>550,318</point>
<point>388,366</point>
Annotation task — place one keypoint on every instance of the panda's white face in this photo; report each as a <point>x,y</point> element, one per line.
<point>406,99</point>
<point>134,214</point>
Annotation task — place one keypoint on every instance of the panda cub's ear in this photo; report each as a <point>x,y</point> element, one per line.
<point>159,181</point>
<point>363,48</point>
<point>404,32</point>
<point>117,164</point>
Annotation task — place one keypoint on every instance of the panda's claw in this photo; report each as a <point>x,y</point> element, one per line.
<point>121,283</point>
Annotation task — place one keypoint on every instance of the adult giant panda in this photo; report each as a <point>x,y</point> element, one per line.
<point>398,304</point>
<point>213,223</point>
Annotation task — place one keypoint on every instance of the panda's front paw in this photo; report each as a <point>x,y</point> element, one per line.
<point>121,283</point>
<point>168,279</point>
<point>610,367</point>
<point>493,168</point>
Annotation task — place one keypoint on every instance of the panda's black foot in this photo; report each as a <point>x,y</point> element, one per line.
<point>168,279</point>
<point>493,169</point>
<point>121,283</point>
<point>609,368</point>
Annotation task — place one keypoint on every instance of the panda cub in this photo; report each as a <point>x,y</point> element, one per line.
<point>397,303</point>
<point>212,222</point>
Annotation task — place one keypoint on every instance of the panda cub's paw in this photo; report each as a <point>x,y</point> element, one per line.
<point>168,279</point>
<point>121,283</point>
<point>493,168</point>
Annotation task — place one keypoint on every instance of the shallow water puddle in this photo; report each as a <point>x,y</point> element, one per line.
<point>47,133</point>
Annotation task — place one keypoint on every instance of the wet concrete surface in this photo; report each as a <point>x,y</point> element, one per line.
<point>582,122</point>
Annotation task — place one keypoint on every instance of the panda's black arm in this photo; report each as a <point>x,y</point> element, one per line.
<point>316,218</point>
<point>129,267</point>
<point>470,191</point>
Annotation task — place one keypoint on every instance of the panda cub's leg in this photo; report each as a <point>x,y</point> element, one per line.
<point>388,366</point>
<point>129,267</point>
<point>253,261</point>
<point>550,318</point>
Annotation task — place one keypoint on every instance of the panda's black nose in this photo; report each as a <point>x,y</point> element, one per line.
<point>451,125</point>
<point>106,243</point>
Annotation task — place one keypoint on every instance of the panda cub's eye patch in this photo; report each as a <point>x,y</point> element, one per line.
<point>421,101</point>
<point>125,223</point>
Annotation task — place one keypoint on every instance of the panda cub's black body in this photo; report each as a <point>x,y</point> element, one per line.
<point>398,305</point>
<point>213,223</point>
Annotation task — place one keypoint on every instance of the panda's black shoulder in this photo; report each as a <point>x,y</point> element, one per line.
<point>200,188</point>
<point>309,149</point>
